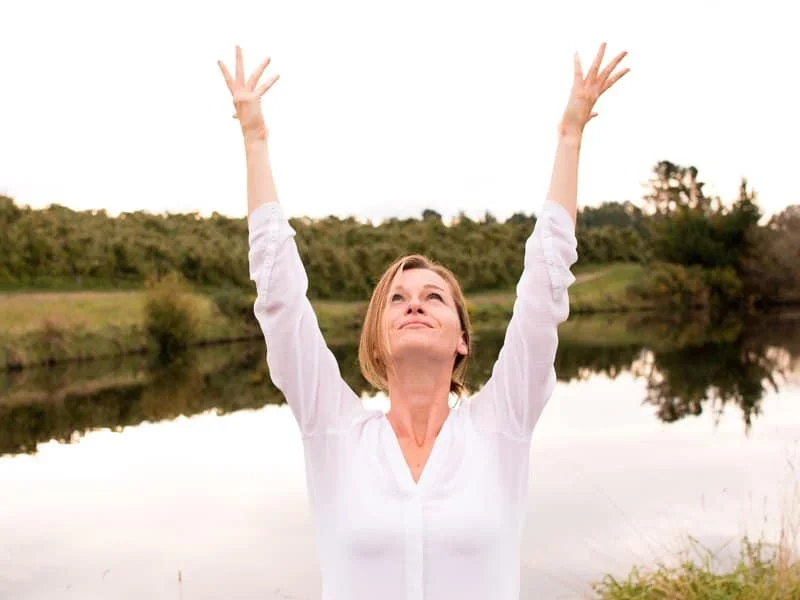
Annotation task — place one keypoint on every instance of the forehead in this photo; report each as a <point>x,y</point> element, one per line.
<point>418,278</point>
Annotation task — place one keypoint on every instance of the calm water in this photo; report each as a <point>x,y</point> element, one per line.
<point>122,480</point>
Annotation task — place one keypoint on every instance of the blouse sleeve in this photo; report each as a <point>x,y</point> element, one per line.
<point>300,364</point>
<point>523,377</point>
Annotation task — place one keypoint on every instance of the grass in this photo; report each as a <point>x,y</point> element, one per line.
<point>763,572</point>
<point>52,326</point>
<point>755,577</point>
<point>24,312</point>
<point>604,288</point>
<point>595,285</point>
<point>597,288</point>
<point>88,311</point>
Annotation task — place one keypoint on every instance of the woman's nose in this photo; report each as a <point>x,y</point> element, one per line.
<point>414,306</point>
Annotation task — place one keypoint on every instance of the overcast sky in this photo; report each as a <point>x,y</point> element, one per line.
<point>384,109</point>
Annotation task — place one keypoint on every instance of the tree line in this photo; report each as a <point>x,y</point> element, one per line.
<point>698,249</point>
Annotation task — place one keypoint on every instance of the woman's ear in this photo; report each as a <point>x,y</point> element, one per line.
<point>462,347</point>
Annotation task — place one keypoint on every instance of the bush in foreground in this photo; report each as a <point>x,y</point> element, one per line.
<point>763,572</point>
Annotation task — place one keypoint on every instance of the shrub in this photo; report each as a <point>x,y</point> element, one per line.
<point>170,319</point>
<point>672,286</point>
<point>235,304</point>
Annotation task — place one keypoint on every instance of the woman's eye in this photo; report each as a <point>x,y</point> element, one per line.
<point>396,297</point>
<point>435,295</point>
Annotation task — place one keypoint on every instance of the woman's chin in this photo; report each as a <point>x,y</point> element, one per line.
<point>418,348</point>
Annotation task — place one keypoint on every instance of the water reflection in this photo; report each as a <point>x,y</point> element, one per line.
<point>694,365</point>
<point>689,367</point>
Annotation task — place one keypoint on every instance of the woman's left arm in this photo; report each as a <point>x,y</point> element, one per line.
<point>524,375</point>
<point>579,111</point>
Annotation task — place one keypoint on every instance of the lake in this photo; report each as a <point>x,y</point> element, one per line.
<point>127,480</point>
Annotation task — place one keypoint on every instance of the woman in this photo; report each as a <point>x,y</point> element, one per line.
<point>425,501</point>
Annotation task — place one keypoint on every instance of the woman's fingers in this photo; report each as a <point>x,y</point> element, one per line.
<point>611,66</point>
<point>251,83</point>
<point>597,60</point>
<point>245,98</point>
<point>239,66</point>
<point>602,78</point>
<point>226,75</point>
<point>262,89</point>
<point>237,85</point>
<point>238,82</point>
<point>578,69</point>
<point>613,80</point>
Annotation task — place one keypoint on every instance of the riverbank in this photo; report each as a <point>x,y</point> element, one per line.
<point>49,327</point>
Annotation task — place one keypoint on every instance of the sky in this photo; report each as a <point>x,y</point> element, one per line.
<point>385,109</point>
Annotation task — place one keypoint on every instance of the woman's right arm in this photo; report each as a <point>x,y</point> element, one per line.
<point>300,363</point>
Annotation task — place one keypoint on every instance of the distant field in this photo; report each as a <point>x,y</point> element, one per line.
<point>604,289</point>
<point>22,312</point>
<point>26,311</point>
<point>597,288</point>
<point>41,327</point>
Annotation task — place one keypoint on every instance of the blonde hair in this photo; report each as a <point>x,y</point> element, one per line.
<point>373,345</point>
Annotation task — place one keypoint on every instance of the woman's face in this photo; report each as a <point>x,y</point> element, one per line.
<point>420,317</point>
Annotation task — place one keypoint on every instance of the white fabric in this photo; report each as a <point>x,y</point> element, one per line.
<point>456,533</point>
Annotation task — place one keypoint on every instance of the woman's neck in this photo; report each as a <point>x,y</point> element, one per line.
<point>418,403</point>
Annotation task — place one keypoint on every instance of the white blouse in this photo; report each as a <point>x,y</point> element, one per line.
<point>454,534</point>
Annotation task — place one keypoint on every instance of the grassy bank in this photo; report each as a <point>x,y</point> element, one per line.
<point>43,327</point>
<point>763,571</point>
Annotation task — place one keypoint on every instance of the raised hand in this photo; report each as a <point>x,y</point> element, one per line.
<point>247,97</point>
<point>586,90</point>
